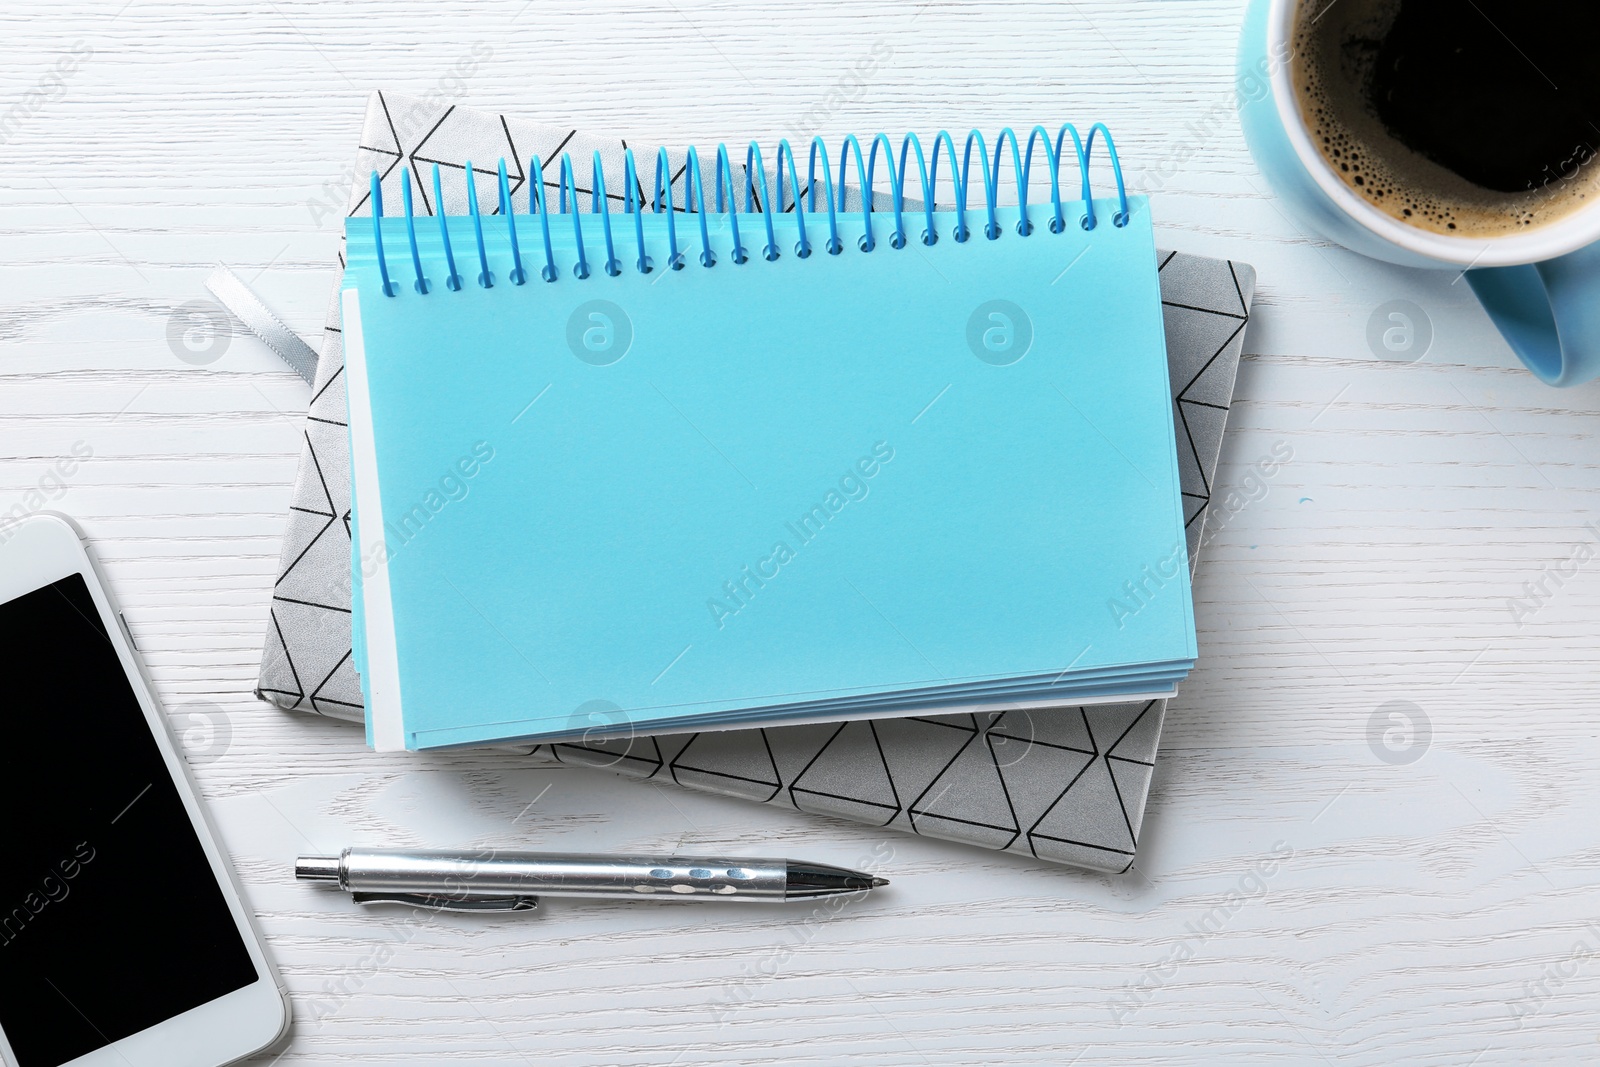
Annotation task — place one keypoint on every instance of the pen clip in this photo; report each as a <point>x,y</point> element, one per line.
<point>435,902</point>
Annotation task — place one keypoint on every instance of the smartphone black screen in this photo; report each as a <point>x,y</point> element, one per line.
<point>110,917</point>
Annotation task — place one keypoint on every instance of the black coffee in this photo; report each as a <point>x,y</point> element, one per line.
<point>1475,117</point>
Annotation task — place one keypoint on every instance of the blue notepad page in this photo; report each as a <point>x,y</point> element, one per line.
<point>785,489</point>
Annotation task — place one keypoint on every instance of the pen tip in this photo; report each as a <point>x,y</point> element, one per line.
<point>803,880</point>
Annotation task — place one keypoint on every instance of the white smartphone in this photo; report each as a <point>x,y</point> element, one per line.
<point>124,938</point>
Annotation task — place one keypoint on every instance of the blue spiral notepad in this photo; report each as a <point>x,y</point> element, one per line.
<point>716,462</point>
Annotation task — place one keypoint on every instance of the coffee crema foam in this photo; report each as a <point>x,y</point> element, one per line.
<point>1335,51</point>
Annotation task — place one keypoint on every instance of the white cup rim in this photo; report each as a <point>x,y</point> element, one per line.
<point>1575,231</point>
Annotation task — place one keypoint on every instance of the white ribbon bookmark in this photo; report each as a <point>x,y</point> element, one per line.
<point>259,320</point>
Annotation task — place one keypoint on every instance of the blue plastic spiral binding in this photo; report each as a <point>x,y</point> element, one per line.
<point>389,288</point>
<point>518,275</point>
<point>421,284</point>
<point>485,279</point>
<point>759,200</point>
<point>453,280</point>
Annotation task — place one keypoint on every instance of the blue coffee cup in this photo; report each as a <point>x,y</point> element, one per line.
<point>1540,286</point>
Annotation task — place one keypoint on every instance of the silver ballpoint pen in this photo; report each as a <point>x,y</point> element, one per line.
<point>492,880</point>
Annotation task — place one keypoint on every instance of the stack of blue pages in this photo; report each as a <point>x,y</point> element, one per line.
<point>760,464</point>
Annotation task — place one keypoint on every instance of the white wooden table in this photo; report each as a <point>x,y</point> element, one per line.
<point>1296,899</point>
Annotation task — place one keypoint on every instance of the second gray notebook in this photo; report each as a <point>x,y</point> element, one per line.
<point>1067,785</point>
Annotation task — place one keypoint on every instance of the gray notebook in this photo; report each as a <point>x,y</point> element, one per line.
<point>1066,784</point>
